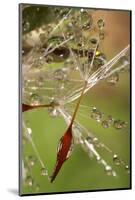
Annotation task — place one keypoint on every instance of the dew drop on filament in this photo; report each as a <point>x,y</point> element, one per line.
<point>96,114</point>
<point>108,170</point>
<point>44,172</point>
<point>116,160</point>
<point>101,23</point>
<point>113,79</point>
<point>29,181</point>
<point>31,161</point>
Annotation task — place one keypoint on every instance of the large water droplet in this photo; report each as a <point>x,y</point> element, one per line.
<point>86,19</point>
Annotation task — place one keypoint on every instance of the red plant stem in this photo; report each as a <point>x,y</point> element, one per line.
<point>66,141</point>
<point>26,107</point>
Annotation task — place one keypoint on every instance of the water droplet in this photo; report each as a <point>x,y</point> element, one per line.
<point>108,170</point>
<point>60,54</point>
<point>96,142</point>
<point>113,79</point>
<point>64,12</point>
<point>31,161</point>
<point>118,124</point>
<point>98,62</point>
<point>105,124</point>
<point>127,169</point>
<point>42,37</point>
<point>53,112</point>
<point>44,172</point>
<point>26,26</point>
<point>37,187</point>
<point>55,40</point>
<point>108,122</point>
<point>35,99</point>
<point>93,41</point>
<point>60,74</point>
<point>98,159</point>
<point>89,139</point>
<point>49,59</point>
<point>101,35</point>
<point>124,60</point>
<point>100,23</point>
<point>86,19</point>
<point>116,160</point>
<point>29,181</point>
<point>96,114</point>
<point>29,130</point>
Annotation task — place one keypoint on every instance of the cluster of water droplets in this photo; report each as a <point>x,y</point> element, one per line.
<point>107,121</point>
<point>31,161</point>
